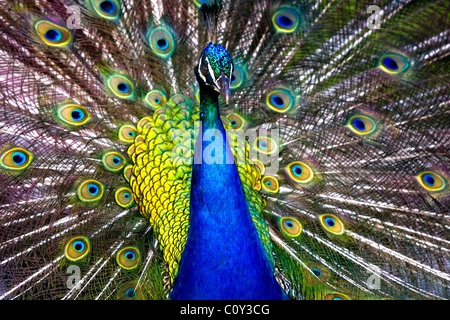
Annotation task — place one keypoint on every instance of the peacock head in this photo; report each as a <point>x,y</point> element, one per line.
<point>214,70</point>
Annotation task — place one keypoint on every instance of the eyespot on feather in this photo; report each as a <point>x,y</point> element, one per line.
<point>113,161</point>
<point>15,159</point>
<point>336,296</point>
<point>362,124</point>
<point>280,100</point>
<point>161,42</point>
<point>77,248</point>
<point>124,197</point>
<point>285,20</point>
<point>121,86</point>
<point>73,114</point>
<point>237,78</point>
<point>52,34</point>
<point>107,9</point>
<point>332,224</point>
<point>127,133</point>
<point>431,181</point>
<point>290,227</point>
<point>236,121</point>
<point>265,145</point>
<point>270,184</point>
<point>130,291</point>
<point>90,191</point>
<point>320,272</point>
<point>155,99</point>
<point>393,63</point>
<point>128,258</point>
<point>300,172</point>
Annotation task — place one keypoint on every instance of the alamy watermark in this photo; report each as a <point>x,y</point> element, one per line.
<point>75,276</point>
<point>374,282</point>
<point>374,20</point>
<point>74,21</point>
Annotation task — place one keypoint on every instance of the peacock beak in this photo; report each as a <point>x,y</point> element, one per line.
<point>224,87</point>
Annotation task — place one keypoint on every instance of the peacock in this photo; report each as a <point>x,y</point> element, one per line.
<point>224,150</point>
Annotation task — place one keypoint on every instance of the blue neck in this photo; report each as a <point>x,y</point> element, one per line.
<point>223,257</point>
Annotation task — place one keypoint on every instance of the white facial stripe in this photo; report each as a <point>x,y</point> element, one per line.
<point>231,72</point>
<point>198,69</point>
<point>212,75</point>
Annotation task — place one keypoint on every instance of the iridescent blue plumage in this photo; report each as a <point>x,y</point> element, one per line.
<point>223,257</point>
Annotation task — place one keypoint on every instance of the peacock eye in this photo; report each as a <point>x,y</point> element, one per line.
<point>73,114</point>
<point>113,161</point>
<point>291,227</point>
<point>316,272</point>
<point>162,42</point>
<point>361,124</point>
<point>90,190</point>
<point>270,184</point>
<point>121,86</point>
<point>300,172</point>
<point>107,9</point>
<point>15,159</point>
<point>155,99</point>
<point>280,100</point>
<point>431,181</point>
<point>393,63</point>
<point>204,69</point>
<point>131,293</point>
<point>124,197</point>
<point>128,258</point>
<point>127,133</point>
<point>336,296</point>
<point>332,224</point>
<point>237,77</point>
<point>285,20</point>
<point>131,290</point>
<point>52,34</point>
<point>265,145</point>
<point>108,6</point>
<point>77,248</point>
<point>236,121</point>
